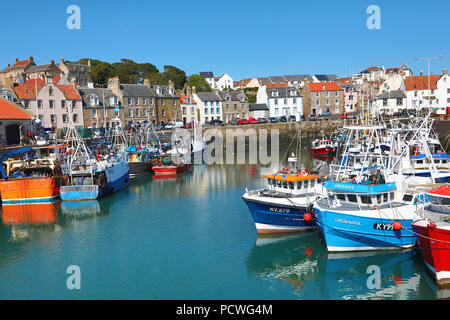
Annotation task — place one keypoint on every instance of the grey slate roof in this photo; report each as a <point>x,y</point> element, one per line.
<point>234,96</point>
<point>283,92</point>
<point>394,94</point>
<point>86,94</point>
<point>41,68</point>
<point>326,77</point>
<point>163,91</point>
<point>209,96</point>
<point>298,77</point>
<point>207,74</point>
<point>135,91</point>
<point>257,106</point>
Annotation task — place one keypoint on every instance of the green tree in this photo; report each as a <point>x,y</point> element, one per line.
<point>176,75</point>
<point>199,82</point>
<point>101,72</point>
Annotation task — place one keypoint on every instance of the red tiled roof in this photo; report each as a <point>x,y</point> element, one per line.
<point>242,83</point>
<point>27,90</point>
<point>373,69</point>
<point>69,92</point>
<point>9,110</point>
<point>184,101</point>
<point>21,63</point>
<point>329,86</point>
<point>421,82</point>
<point>276,85</point>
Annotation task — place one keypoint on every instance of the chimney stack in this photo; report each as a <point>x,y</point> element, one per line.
<point>421,72</point>
<point>194,90</point>
<point>147,83</point>
<point>188,91</point>
<point>171,84</point>
<point>114,85</point>
<point>445,71</point>
<point>73,81</point>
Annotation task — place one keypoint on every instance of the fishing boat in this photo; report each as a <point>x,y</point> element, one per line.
<point>322,146</point>
<point>433,230</point>
<point>29,179</point>
<point>366,211</point>
<point>167,165</point>
<point>90,177</point>
<point>139,160</point>
<point>284,205</point>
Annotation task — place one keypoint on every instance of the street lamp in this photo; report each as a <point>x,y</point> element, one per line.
<point>429,81</point>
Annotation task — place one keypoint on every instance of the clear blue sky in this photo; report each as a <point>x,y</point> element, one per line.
<point>245,38</point>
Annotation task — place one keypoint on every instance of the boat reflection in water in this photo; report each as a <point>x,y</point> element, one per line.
<point>22,221</point>
<point>302,262</point>
<point>80,209</point>
<point>293,259</point>
<point>355,275</point>
<point>29,214</point>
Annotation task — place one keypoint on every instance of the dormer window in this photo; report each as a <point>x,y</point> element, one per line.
<point>323,87</point>
<point>94,101</point>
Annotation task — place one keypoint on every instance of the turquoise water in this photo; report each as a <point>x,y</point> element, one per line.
<point>188,238</point>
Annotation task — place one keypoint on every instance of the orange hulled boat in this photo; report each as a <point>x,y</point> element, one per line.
<point>28,180</point>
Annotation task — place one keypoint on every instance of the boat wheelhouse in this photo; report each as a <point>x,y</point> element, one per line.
<point>281,207</point>
<point>433,229</point>
<point>322,146</point>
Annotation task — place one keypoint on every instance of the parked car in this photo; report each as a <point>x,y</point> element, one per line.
<point>273,120</point>
<point>326,113</point>
<point>216,122</point>
<point>188,126</point>
<point>262,120</point>
<point>243,121</point>
<point>283,119</point>
<point>252,120</point>
<point>303,118</point>
<point>312,117</point>
<point>234,121</point>
<point>292,118</point>
<point>158,127</point>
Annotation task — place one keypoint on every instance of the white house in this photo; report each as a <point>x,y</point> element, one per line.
<point>224,82</point>
<point>443,94</point>
<point>209,105</point>
<point>281,100</point>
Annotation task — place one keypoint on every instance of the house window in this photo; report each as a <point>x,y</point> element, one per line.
<point>39,104</point>
<point>385,102</point>
<point>163,112</point>
<point>152,112</point>
<point>136,101</point>
<point>328,102</point>
<point>63,104</point>
<point>130,101</point>
<point>276,102</point>
<point>144,101</point>
<point>175,102</point>
<point>27,104</point>
<point>113,100</point>
<point>53,118</point>
<point>75,118</point>
<point>163,102</point>
<point>130,112</point>
<point>336,101</point>
<point>183,110</point>
<point>206,110</point>
<point>317,102</point>
<point>206,103</point>
<point>151,101</point>
<point>94,113</point>
<point>217,110</point>
<point>64,118</point>
<point>276,111</point>
<point>317,94</point>
<point>145,112</point>
<point>285,101</point>
<point>350,97</point>
<point>399,101</point>
<point>212,110</point>
<point>138,112</point>
<point>294,100</point>
<point>51,104</point>
<point>50,91</point>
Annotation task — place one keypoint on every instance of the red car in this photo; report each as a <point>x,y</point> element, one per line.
<point>252,120</point>
<point>243,121</point>
<point>188,126</point>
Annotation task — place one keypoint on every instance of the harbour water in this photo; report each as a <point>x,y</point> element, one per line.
<point>188,238</point>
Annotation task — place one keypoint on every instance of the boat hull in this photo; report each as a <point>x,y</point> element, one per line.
<point>323,151</point>
<point>436,252</point>
<point>118,176</point>
<point>170,170</point>
<point>79,193</point>
<point>348,232</point>
<point>271,218</point>
<point>139,168</point>
<point>29,190</point>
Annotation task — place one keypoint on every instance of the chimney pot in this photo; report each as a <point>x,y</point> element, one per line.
<point>445,71</point>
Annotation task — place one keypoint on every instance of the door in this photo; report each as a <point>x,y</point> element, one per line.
<point>13,134</point>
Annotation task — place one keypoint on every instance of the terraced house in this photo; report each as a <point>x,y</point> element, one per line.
<point>323,97</point>
<point>281,100</point>
<point>209,105</point>
<point>167,103</point>
<point>99,106</point>
<point>15,73</point>
<point>49,100</point>
<point>235,106</point>
<point>137,102</point>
